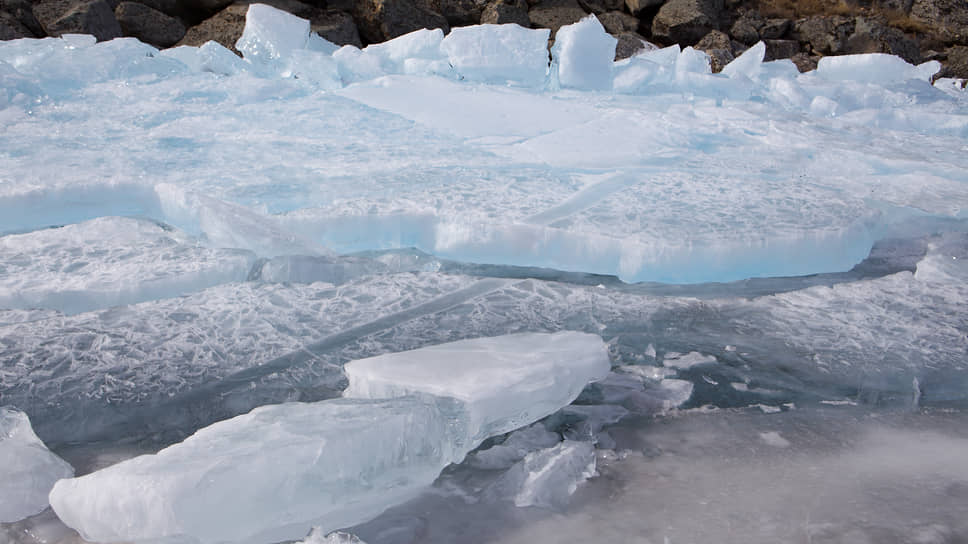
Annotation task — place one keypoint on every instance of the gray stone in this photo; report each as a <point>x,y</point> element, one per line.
<point>636,6</point>
<point>873,36</point>
<point>629,43</point>
<point>805,62</point>
<point>339,28</point>
<point>826,35</point>
<point>774,29</point>
<point>599,7</point>
<point>207,6</point>
<point>946,18</point>
<point>22,11</point>
<point>686,21</point>
<point>168,7</point>
<point>955,63</point>
<point>93,17</point>
<point>617,22</point>
<point>149,25</point>
<point>381,20</point>
<point>555,14</point>
<point>746,29</point>
<point>12,29</point>
<point>225,27</point>
<point>781,49</point>
<point>719,47</point>
<point>502,12</point>
<point>903,6</point>
<point>461,12</point>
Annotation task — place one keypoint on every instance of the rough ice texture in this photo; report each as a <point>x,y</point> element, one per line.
<point>27,469</point>
<point>584,53</point>
<point>271,474</point>
<point>499,53</point>
<point>548,477</point>
<point>107,262</point>
<point>271,34</point>
<point>506,382</point>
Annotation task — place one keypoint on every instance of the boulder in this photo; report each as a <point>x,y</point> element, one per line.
<point>955,63</point>
<point>947,18</point>
<point>13,29</point>
<point>225,27</point>
<point>598,7</point>
<point>168,7</point>
<point>826,35</point>
<point>149,25</point>
<point>617,22</point>
<point>637,6</point>
<point>718,46</point>
<point>94,17</point>
<point>381,20</point>
<point>805,62</point>
<point>22,11</point>
<point>462,12</point>
<point>686,21</point>
<point>629,44</point>
<point>554,14</point>
<point>781,49</point>
<point>502,12</point>
<point>746,29</point>
<point>774,29</point>
<point>873,36</point>
<point>209,7</point>
<point>337,27</point>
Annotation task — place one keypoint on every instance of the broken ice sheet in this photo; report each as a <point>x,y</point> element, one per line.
<point>27,469</point>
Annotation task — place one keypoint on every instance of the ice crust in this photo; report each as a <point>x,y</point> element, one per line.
<point>28,469</point>
<point>336,463</point>
<point>505,382</point>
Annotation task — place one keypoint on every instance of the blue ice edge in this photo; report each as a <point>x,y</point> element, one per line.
<point>277,471</point>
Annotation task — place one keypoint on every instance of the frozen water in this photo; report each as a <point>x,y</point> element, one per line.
<point>506,382</point>
<point>109,261</point>
<point>549,477</point>
<point>499,54</point>
<point>27,469</point>
<point>584,53</point>
<point>271,35</point>
<point>876,68</point>
<point>331,464</point>
<point>749,64</point>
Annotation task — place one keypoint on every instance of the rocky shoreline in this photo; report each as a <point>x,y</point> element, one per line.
<point>804,31</point>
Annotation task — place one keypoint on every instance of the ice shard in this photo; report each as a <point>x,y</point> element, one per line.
<point>27,469</point>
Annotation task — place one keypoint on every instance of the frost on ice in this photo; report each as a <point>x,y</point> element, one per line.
<point>27,469</point>
<point>273,473</point>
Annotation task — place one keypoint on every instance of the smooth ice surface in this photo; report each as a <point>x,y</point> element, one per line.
<point>109,261</point>
<point>498,53</point>
<point>506,382</point>
<point>584,53</point>
<point>27,469</point>
<point>270,474</point>
<point>271,34</point>
<point>875,68</point>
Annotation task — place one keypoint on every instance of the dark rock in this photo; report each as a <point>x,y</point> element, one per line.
<point>774,29</point>
<point>946,18</point>
<point>149,25</point>
<point>719,47</point>
<point>555,14</point>
<point>13,29</point>
<point>686,21</point>
<point>380,20</point>
<point>208,7</point>
<point>902,6</point>
<point>23,12</point>
<point>826,35</point>
<point>503,12</point>
<point>93,17</point>
<point>637,6</point>
<point>168,7</point>
<point>338,27</point>
<point>462,12</point>
<point>781,49</point>
<point>599,7</point>
<point>225,27</point>
<point>805,62</point>
<point>873,36</point>
<point>341,5</point>
<point>746,29</point>
<point>629,43</point>
<point>955,63</point>
<point>617,22</point>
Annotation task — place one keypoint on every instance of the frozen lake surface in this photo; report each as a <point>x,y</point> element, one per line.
<point>740,296</point>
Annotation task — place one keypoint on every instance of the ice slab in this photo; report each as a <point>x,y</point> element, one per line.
<point>584,53</point>
<point>878,68</point>
<point>499,54</point>
<point>27,469</point>
<point>506,382</point>
<point>107,262</point>
<point>271,474</point>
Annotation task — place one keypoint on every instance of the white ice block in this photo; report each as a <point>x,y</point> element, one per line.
<point>505,381</point>
<point>27,468</point>
<point>584,52</point>
<point>499,53</point>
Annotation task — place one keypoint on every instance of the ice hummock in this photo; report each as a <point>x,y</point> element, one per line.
<point>339,462</point>
<point>505,382</point>
<point>28,469</point>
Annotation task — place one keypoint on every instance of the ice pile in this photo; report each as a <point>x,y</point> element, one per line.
<point>273,473</point>
<point>27,469</point>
